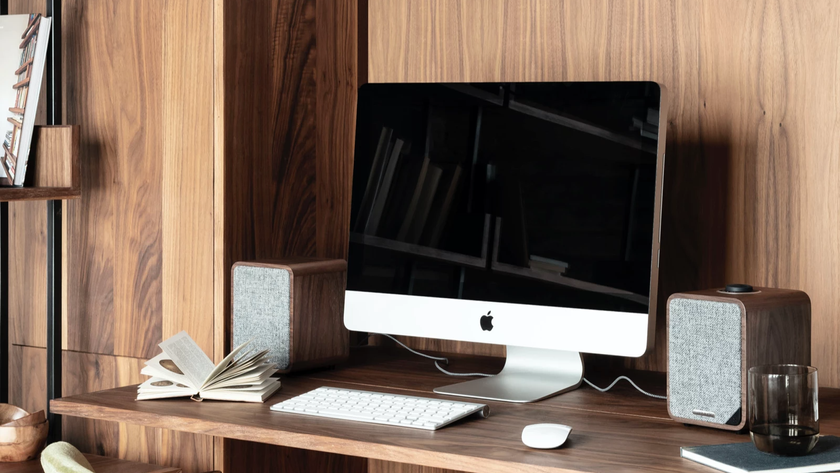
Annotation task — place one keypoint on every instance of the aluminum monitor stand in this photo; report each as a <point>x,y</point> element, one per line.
<point>530,374</point>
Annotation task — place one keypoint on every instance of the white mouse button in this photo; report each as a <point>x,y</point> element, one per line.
<point>545,436</point>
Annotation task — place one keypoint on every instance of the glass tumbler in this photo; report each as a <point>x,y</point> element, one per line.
<point>783,410</point>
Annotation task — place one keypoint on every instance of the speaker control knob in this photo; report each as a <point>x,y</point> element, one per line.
<point>739,288</point>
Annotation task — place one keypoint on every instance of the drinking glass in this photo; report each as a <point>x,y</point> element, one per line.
<point>783,410</point>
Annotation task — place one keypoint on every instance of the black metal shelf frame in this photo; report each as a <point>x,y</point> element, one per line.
<point>54,228</point>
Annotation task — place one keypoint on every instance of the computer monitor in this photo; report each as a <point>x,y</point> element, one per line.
<point>520,214</point>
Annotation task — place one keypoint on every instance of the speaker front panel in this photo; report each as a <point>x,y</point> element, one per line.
<point>261,298</point>
<point>705,361</point>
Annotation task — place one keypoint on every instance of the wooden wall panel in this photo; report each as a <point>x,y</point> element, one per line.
<point>28,274</point>
<point>188,171</point>
<point>114,274</point>
<point>335,128</point>
<point>28,377</point>
<point>284,157</point>
<point>148,175</point>
<point>752,164</point>
<point>297,128</point>
<point>266,168</point>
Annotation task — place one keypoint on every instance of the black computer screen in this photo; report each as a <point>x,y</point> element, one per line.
<point>530,193</point>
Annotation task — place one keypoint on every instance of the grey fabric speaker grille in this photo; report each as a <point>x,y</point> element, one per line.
<point>261,310</point>
<point>704,359</point>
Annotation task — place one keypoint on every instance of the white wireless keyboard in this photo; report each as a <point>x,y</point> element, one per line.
<point>379,408</point>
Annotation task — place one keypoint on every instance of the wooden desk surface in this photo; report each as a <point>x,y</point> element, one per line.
<point>618,431</point>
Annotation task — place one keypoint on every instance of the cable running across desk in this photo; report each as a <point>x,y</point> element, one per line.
<point>446,360</point>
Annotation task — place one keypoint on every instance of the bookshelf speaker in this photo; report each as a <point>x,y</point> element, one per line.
<point>715,336</point>
<point>294,308</point>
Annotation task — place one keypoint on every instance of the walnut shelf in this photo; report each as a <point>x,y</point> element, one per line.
<point>53,171</point>
<point>618,430</point>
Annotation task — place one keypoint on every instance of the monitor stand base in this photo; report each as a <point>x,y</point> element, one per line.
<point>530,374</point>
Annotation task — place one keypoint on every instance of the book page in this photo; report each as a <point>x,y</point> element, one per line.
<point>189,358</point>
<point>160,385</point>
<point>216,370</point>
<point>163,367</point>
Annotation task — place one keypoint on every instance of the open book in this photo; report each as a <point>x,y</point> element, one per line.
<point>184,370</point>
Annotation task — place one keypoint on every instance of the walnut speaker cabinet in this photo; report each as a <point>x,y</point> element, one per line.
<point>715,336</point>
<point>294,308</point>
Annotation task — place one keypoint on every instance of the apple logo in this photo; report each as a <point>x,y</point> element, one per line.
<point>487,322</point>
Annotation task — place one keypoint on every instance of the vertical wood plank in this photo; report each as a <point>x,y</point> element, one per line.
<point>268,181</point>
<point>191,452</point>
<point>335,128</point>
<point>89,229</point>
<point>136,65</point>
<point>114,230</point>
<point>28,377</point>
<point>28,274</point>
<point>187,211</point>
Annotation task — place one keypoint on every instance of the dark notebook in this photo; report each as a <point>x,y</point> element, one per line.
<point>744,457</point>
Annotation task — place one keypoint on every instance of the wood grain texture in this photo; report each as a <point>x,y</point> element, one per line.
<point>378,466</point>
<point>478,445</point>
<point>256,457</point>
<point>55,157</point>
<point>319,337</point>
<point>28,377</point>
<point>187,211</point>
<point>114,270</point>
<point>750,193</point>
<point>296,126</point>
<point>335,128</point>
<point>150,178</point>
<point>268,116</point>
<point>28,274</point>
<point>137,257</point>
<point>12,194</point>
<point>100,464</point>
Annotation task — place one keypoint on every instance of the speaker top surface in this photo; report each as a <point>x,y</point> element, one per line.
<point>758,298</point>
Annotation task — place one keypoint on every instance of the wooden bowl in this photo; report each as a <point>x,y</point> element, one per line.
<point>9,413</point>
<point>30,419</point>
<point>21,443</point>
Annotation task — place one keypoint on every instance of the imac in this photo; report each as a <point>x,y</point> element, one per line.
<point>521,214</point>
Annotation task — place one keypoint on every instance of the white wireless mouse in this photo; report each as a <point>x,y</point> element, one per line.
<point>545,435</point>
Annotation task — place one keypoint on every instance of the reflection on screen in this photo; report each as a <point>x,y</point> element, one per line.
<point>531,193</point>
